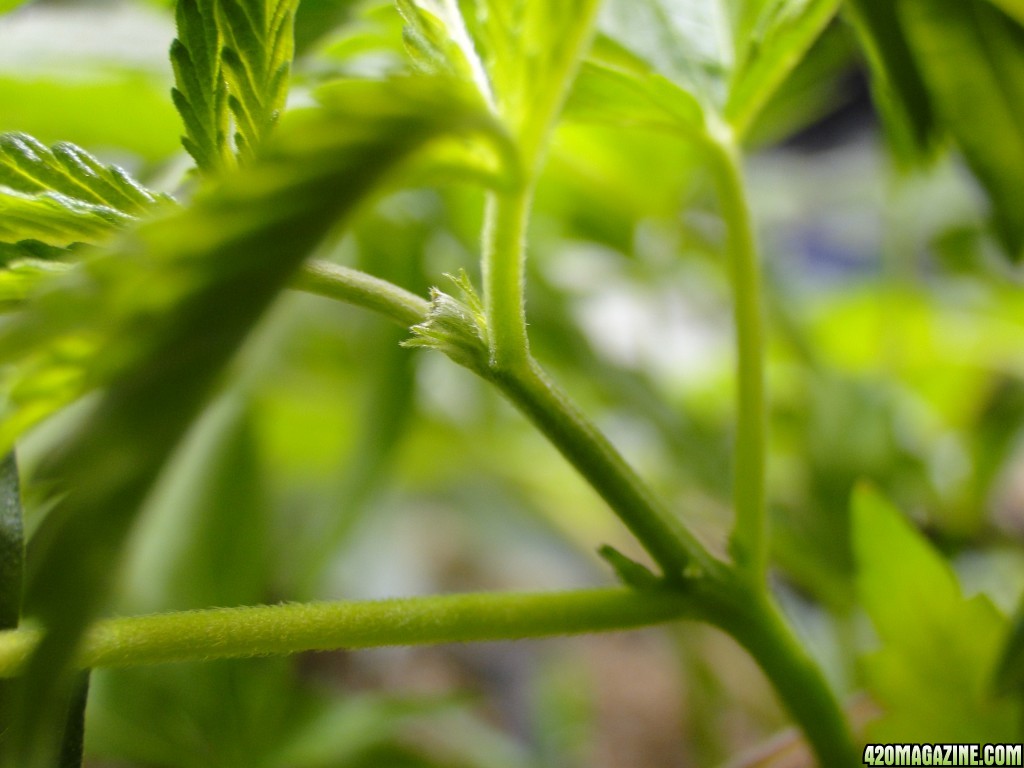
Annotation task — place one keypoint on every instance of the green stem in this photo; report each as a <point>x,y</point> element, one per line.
<point>672,546</point>
<point>504,259</point>
<point>753,619</point>
<point>222,633</point>
<point>748,543</point>
<point>354,287</point>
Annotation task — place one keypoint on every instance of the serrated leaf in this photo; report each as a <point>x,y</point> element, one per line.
<point>932,673</point>
<point>258,40</point>
<point>200,93</point>
<point>30,167</point>
<point>64,195</point>
<point>972,58</point>
<point>156,319</point>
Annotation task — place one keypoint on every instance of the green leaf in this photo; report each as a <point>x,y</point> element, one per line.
<point>932,673</point>
<point>899,87</point>
<point>62,195</point>
<point>9,5</point>
<point>972,57</point>
<point>1009,677</point>
<point>730,57</point>
<point>258,38</point>
<point>157,319</point>
<point>520,58</point>
<point>206,535</point>
<point>784,33</point>
<point>617,88</point>
<point>12,545</point>
<point>122,109</point>
<point>72,748</point>
<point>200,92</point>
<point>1014,8</point>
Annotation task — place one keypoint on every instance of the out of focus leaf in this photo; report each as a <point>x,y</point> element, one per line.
<point>12,544</point>
<point>616,88</point>
<point>316,18</point>
<point>972,58</point>
<point>9,5</point>
<point>72,748</point>
<point>206,540</point>
<point>1014,8</point>
<point>900,90</point>
<point>126,111</point>
<point>730,56</point>
<point>785,31</point>
<point>931,677</point>
<point>162,327</point>
<point>23,276</point>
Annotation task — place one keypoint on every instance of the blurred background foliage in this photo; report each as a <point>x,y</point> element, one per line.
<point>335,464</point>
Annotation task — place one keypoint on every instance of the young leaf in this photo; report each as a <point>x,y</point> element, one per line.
<point>692,45</point>
<point>900,90</point>
<point>618,88</point>
<point>784,33</point>
<point>200,92</point>
<point>207,275</point>
<point>258,40</point>
<point>730,57</point>
<point>932,672</point>
<point>520,57</point>
<point>972,57</point>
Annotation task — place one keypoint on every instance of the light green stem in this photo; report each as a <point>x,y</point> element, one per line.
<point>507,216</point>
<point>730,599</point>
<point>222,633</point>
<point>749,540</point>
<point>753,619</point>
<point>672,546</point>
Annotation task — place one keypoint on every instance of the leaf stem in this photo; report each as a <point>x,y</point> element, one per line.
<point>222,633</point>
<point>748,543</point>
<point>351,286</point>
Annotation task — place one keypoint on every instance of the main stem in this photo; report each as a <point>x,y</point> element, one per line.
<point>506,220</point>
<point>752,618</point>
<point>673,547</point>
<point>749,541</point>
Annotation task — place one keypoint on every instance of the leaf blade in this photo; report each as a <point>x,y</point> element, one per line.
<point>972,58</point>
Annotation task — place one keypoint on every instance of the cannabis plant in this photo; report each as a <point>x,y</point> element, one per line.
<point>174,381</point>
